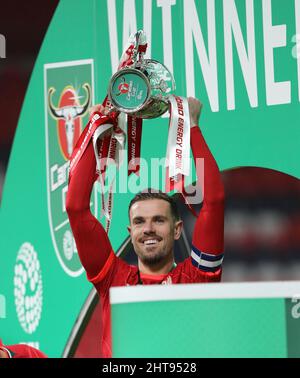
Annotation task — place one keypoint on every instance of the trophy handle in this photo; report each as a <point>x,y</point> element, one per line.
<point>165,99</point>
<point>111,109</point>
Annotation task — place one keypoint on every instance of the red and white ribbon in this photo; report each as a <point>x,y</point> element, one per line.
<point>178,150</point>
<point>114,154</point>
<point>134,132</point>
<point>137,43</point>
<point>109,148</point>
<point>95,121</point>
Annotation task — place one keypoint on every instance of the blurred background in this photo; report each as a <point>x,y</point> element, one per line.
<point>262,225</point>
<point>23,24</point>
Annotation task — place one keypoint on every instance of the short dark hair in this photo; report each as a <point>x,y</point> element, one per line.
<point>150,194</point>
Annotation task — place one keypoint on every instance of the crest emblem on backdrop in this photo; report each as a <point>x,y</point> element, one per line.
<point>68,96</point>
<point>68,114</point>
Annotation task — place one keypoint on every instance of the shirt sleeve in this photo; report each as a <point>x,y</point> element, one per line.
<point>92,242</point>
<point>208,236</point>
<point>24,351</point>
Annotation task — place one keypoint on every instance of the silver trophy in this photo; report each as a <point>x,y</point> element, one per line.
<point>141,89</point>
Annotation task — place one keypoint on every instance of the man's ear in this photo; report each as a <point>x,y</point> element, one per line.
<point>129,229</point>
<point>178,229</point>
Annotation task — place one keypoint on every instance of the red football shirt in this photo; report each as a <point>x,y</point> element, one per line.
<point>105,270</point>
<point>116,272</point>
<point>22,351</point>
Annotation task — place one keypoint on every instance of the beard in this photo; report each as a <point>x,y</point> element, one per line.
<point>152,258</point>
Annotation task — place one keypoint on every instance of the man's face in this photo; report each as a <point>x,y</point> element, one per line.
<point>153,230</point>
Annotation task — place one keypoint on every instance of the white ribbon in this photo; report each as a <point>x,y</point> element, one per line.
<point>116,153</point>
<point>98,134</point>
<point>178,150</point>
<point>121,139</point>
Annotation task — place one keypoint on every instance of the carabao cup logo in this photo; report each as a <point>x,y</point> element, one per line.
<point>65,111</point>
<point>67,114</point>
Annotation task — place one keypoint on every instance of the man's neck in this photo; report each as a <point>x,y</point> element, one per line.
<point>164,268</point>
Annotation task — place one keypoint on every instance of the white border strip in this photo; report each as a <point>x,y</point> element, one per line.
<point>150,293</point>
<point>69,63</point>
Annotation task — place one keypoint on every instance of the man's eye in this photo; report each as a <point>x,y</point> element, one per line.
<point>160,220</point>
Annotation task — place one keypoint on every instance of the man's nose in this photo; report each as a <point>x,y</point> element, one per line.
<point>149,228</point>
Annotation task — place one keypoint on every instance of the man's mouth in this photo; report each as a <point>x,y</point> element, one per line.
<point>150,242</point>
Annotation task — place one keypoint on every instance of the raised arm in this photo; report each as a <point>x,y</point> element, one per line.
<point>92,242</point>
<point>208,236</point>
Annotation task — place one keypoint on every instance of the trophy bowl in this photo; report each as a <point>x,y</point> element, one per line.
<point>142,90</point>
